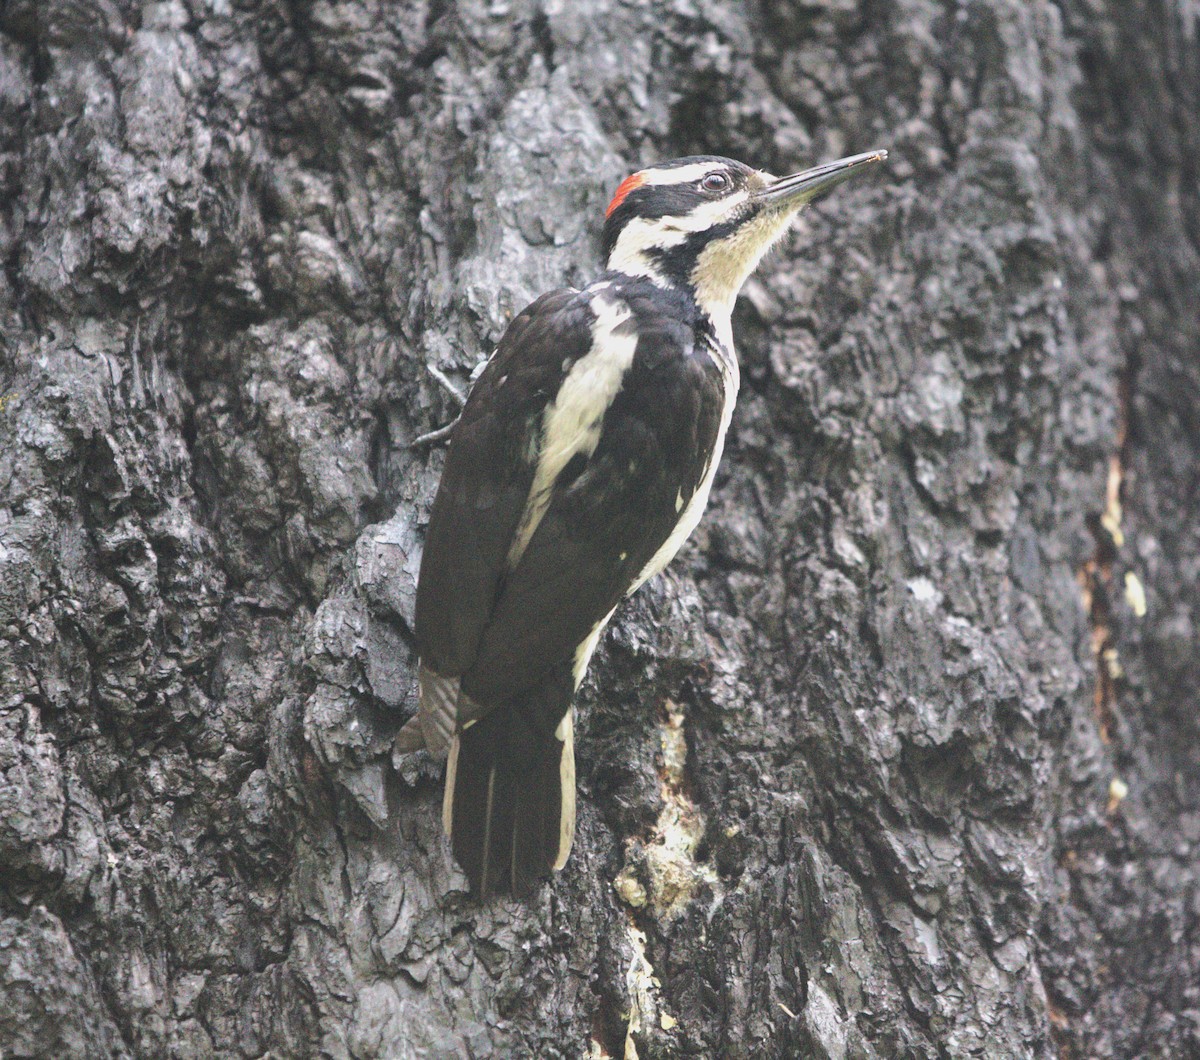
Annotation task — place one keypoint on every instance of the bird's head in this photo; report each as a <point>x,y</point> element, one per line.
<point>705,222</point>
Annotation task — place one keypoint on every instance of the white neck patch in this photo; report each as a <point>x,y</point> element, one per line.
<point>633,253</point>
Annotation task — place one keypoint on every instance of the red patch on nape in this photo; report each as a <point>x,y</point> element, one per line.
<point>623,189</point>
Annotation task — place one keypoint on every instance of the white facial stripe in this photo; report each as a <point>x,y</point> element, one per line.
<point>631,254</point>
<point>707,215</point>
<point>641,235</point>
<point>638,265</point>
<point>681,174</point>
<point>571,424</point>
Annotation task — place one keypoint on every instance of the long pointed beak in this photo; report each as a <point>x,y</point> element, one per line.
<point>801,188</point>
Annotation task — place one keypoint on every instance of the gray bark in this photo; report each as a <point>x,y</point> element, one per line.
<point>890,763</point>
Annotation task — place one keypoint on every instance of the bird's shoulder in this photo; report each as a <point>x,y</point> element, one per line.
<point>549,336</point>
<point>663,317</point>
<point>530,354</point>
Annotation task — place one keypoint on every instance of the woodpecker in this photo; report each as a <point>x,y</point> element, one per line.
<point>582,460</point>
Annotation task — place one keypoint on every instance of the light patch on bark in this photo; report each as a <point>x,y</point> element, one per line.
<point>664,873</point>
<point>645,1006</point>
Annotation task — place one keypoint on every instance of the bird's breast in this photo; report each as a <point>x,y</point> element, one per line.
<point>692,508</point>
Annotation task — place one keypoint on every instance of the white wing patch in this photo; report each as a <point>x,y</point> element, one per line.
<point>572,423</point>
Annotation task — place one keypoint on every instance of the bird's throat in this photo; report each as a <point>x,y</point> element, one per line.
<point>724,265</point>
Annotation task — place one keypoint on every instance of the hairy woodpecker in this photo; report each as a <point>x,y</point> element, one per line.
<point>581,462</point>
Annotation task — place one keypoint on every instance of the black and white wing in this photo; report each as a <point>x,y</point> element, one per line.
<point>578,454</point>
<point>489,471</point>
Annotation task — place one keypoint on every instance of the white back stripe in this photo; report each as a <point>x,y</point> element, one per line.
<point>571,424</point>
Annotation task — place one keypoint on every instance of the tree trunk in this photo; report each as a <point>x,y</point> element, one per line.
<point>899,759</point>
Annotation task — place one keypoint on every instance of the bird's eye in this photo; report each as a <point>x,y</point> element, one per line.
<point>715,182</point>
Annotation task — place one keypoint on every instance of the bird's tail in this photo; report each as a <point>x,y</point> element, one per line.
<point>509,806</point>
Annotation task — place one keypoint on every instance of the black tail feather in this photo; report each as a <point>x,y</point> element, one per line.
<point>507,803</point>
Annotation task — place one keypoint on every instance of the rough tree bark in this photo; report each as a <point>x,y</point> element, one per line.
<point>901,757</point>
